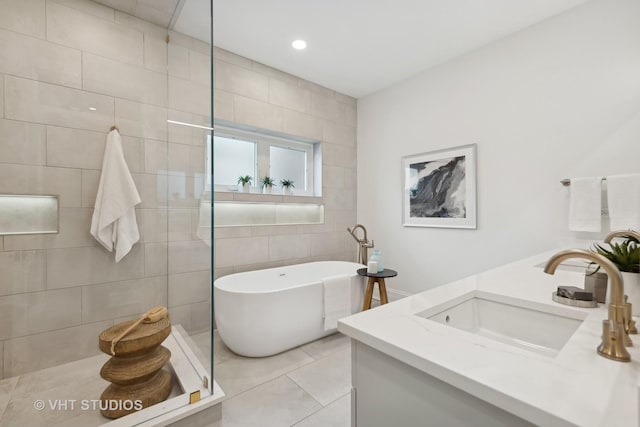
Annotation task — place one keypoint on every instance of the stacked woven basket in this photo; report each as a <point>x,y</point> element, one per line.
<point>135,368</point>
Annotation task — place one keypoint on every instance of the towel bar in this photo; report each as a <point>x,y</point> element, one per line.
<point>567,182</point>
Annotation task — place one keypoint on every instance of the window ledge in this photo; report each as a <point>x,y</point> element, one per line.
<point>238,196</point>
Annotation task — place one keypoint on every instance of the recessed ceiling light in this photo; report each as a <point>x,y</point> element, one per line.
<point>299,44</point>
<point>92,108</point>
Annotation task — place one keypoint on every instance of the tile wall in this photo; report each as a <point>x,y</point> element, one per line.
<point>58,58</point>
<point>250,93</point>
<point>58,292</point>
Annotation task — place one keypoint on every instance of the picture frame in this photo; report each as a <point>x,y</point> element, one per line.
<point>439,188</point>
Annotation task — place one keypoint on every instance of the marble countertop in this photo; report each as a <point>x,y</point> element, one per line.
<point>577,387</point>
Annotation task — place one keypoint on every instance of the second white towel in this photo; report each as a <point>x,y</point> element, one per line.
<point>337,300</point>
<point>585,204</point>
<point>623,197</point>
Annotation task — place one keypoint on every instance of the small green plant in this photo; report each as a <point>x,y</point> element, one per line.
<point>626,255</point>
<point>245,179</point>
<point>287,183</point>
<point>267,181</point>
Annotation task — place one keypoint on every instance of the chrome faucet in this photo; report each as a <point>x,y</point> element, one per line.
<point>363,243</point>
<point>614,335</point>
<point>622,233</point>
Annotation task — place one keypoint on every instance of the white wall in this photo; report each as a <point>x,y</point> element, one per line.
<point>559,99</point>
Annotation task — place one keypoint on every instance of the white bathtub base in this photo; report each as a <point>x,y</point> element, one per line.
<point>277,313</point>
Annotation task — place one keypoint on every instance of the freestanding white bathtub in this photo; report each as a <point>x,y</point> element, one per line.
<point>264,312</point>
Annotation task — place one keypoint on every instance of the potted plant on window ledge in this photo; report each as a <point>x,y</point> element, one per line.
<point>245,183</point>
<point>287,186</point>
<point>626,256</point>
<point>267,184</point>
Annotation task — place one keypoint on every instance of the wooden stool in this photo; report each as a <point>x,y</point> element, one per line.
<point>135,372</point>
<point>382,287</point>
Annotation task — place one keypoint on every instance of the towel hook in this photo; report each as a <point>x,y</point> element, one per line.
<point>114,127</point>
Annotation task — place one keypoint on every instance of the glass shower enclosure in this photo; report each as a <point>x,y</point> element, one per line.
<point>69,72</point>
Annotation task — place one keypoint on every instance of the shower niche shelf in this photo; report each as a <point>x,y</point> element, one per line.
<point>28,214</point>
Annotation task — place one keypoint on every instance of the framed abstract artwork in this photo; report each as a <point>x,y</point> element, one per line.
<point>439,188</point>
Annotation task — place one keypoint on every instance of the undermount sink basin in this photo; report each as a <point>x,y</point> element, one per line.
<point>510,321</point>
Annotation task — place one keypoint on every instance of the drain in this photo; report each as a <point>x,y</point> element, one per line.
<point>446,319</point>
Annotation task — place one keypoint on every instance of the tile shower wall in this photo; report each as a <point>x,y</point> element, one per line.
<point>58,58</point>
<point>250,93</point>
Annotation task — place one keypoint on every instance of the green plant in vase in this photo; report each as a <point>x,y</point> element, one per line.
<point>245,182</point>
<point>625,256</point>
<point>267,184</point>
<point>287,186</point>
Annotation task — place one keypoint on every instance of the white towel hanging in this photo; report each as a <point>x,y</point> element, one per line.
<point>585,204</point>
<point>337,300</point>
<point>114,217</point>
<point>623,197</point>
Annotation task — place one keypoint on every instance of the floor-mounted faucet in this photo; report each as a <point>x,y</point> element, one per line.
<point>614,334</point>
<point>363,243</point>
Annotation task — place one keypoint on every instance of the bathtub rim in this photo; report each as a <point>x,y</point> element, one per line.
<point>220,286</point>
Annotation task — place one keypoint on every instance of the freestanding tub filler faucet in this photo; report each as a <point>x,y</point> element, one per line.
<point>613,329</point>
<point>363,244</point>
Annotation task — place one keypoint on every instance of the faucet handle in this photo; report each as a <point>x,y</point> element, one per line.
<point>612,346</point>
<point>629,323</point>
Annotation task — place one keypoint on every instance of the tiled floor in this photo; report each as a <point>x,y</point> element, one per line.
<point>306,386</point>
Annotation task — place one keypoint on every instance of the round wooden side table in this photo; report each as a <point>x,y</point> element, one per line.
<point>373,278</point>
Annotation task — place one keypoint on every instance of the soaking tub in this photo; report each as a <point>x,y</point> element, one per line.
<point>264,312</point>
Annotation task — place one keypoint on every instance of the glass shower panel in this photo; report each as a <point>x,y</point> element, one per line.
<point>190,196</point>
<point>65,80</point>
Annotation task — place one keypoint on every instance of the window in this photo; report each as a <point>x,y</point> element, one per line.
<point>233,158</point>
<point>237,153</point>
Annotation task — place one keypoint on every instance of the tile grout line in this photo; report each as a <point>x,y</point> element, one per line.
<point>323,407</point>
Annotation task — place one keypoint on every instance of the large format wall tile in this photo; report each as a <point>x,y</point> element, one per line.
<point>185,95</point>
<point>289,96</point>
<point>1,96</point>
<point>155,259</point>
<point>32,101</point>
<point>91,265</point>
<point>250,250</point>
<point>74,28</point>
<point>119,299</point>
<point>35,312</point>
<point>121,80</point>
<point>48,349</point>
<point>178,61</point>
<point>189,256</point>
<point>22,271</point>
<point>288,247</point>
<point>155,53</point>
<point>200,68</point>
<point>24,179</point>
<point>241,81</point>
<point>72,148</point>
<point>141,120</point>
<point>300,124</point>
<point>189,288</point>
<point>258,114</point>
<point>23,16</point>
<point>90,7</point>
<point>21,142</point>
<point>45,61</point>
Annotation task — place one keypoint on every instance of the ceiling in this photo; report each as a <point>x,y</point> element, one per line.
<point>355,47</point>
<point>159,12</point>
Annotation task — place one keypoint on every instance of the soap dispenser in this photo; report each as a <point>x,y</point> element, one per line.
<point>376,255</point>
